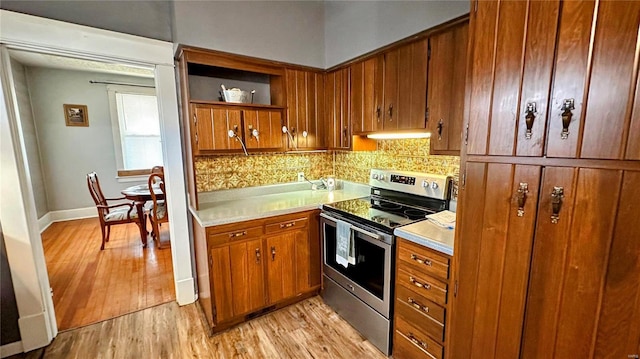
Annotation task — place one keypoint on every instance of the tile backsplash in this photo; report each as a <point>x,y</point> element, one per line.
<point>238,171</point>
<point>404,155</point>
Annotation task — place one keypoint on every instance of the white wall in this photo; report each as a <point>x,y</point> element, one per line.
<point>353,28</point>
<point>69,153</point>
<point>146,18</point>
<point>289,31</point>
<point>30,138</point>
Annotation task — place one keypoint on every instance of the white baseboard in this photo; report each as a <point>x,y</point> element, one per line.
<point>10,349</point>
<point>34,331</point>
<point>65,215</point>
<point>185,291</point>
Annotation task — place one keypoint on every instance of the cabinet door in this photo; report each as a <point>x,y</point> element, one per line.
<point>512,63</point>
<point>220,269</point>
<point>281,276</point>
<point>337,109</point>
<point>412,86</point>
<point>405,87</point>
<point>366,95</point>
<point>305,108</point>
<point>493,248</point>
<point>247,280</point>
<point>584,272</point>
<point>446,90</point>
<point>238,279</point>
<point>390,90</point>
<point>212,124</point>
<point>268,123</point>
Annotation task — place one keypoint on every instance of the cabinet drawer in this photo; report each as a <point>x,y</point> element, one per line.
<point>423,259</point>
<point>291,224</point>
<point>415,299</point>
<point>409,342</point>
<point>426,286</point>
<point>240,234</point>
<point>425,323</point>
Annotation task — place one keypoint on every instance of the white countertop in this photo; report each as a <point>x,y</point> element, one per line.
<point>230,208</point>
<point>429,235</point>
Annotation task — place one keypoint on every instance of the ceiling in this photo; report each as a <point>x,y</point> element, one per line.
<point>34,59</point>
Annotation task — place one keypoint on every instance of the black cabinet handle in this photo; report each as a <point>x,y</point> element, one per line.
<point>557,195</point>
<point>567,107</point>
<point>530,117</point>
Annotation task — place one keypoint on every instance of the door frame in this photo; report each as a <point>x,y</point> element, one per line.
<point>25,253</point>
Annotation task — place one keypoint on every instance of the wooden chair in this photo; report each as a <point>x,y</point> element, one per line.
<point>113,214</point>
<point>158,211</point>
<point>158,169</point>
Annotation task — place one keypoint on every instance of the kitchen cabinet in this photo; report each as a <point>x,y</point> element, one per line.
<point>446,88</point>
<point>547,252</point>
<point>549,263</point>
<point>525,101</point>
<point>421,303</point>
<point>405,87</point>
<point>248,268</point>
<point>305,109</point>
<point>336,99</point>
<point>389,90</point>
<point>268,124</point>
<point>211,125</point>
<point>367,78</point>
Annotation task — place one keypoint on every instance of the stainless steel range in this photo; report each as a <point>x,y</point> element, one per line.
<point>362,291</point>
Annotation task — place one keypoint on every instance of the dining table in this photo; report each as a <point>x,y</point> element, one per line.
<point>140,194</point>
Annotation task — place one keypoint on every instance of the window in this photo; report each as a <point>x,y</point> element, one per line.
<point>136,128</point>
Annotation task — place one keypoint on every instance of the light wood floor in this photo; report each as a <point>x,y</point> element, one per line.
<point>90,285</point>
<point>309,329</point>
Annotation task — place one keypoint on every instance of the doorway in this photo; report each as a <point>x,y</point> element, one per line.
<point>18,208</point>
<point>88,285</point>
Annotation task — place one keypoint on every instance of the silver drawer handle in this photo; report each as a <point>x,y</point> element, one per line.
<point>416,341</point>
<point>421,261</point>
<point>417,305</point>
<point>426,286</point>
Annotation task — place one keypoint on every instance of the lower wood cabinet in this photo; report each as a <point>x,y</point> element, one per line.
<point>249,268</point>
<point>421,304</point>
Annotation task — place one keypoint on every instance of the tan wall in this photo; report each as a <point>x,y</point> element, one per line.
<point>237,171</point>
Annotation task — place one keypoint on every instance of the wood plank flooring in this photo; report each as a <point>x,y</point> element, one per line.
<point>90,285</point>
<point>309,329</point>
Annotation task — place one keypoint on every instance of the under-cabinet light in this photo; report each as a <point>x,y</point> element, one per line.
<point>398,135</point>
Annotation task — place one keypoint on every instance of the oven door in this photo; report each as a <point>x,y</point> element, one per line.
<point>370,278</point>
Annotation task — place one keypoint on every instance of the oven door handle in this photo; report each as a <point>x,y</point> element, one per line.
<point>357,229</point>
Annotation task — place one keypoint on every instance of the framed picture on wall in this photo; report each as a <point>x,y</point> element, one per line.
<point>76,115</point>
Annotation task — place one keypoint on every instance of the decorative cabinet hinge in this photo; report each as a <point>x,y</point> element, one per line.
<point>426,115</point>
<point>455,289</point>
<point>464,179</point>
<point>215,313</point>
<point>196,138</point>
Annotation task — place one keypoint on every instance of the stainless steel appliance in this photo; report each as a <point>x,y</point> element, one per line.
<point>362,293</point>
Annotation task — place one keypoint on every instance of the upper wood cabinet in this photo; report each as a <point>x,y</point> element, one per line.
<point>367,78</point>
<point>389,91</point>
<point>305,109</point>
<point>336,99</point>
<point>212,123</point>
<point>446,88</point>
<point>263,129</point>
<point>555,79</point>
<point>405,87</point>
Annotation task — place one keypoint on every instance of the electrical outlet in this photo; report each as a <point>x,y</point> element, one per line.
<point>300,176</point>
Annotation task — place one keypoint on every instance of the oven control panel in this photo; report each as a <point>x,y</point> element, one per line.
<point>422,184</point>
<point>408,180</point>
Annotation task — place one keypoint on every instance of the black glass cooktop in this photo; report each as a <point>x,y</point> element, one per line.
<point>378,211</point>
